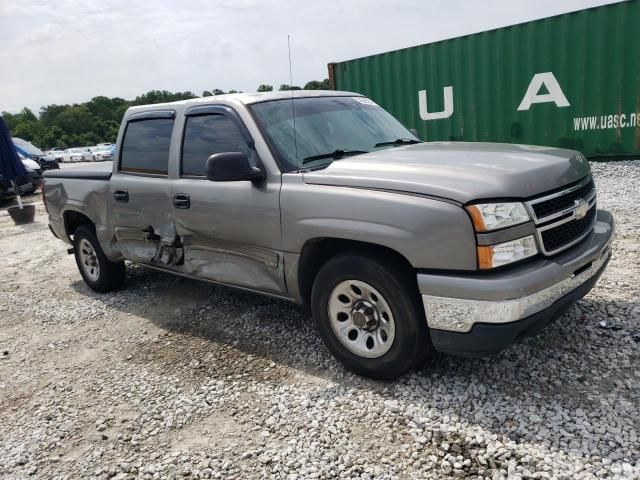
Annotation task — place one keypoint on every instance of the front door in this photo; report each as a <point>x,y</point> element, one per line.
<point>140,199</point>
<point>230,230</point>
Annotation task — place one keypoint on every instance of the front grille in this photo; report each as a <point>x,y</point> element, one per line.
<point>563,202</point>
<point>557,237</point>
<point>557,227</point>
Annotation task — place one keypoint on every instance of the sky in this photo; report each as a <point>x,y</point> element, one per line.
<point>69,51</point>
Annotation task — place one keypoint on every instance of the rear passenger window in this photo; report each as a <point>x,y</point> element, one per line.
<point>145,148</point>
<point>205,135</point>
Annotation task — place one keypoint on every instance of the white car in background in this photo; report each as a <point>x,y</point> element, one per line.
<point>56,153</point>
<point>101,153</point>
<point>88,155</point>
<point>75,155</point>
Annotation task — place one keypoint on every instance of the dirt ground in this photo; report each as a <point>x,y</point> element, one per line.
<point>177,378</point>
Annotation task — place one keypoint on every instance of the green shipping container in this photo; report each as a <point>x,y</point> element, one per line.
<point>571,81</point>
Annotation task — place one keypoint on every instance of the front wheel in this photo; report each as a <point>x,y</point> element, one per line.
<point>101,274</point>
<point>368,313</point>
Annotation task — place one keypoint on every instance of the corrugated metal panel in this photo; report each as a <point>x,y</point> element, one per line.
<point>582,71</point>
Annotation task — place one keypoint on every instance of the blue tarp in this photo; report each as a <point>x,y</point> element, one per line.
<point>11,166</point>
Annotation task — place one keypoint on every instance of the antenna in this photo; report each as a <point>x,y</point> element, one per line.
<point>293,107</point>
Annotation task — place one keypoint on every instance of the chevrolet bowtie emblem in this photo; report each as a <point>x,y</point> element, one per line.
<point>581,208</point>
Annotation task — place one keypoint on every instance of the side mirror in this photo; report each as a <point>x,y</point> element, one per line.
<point>415,133</point>
<point>232,167</point>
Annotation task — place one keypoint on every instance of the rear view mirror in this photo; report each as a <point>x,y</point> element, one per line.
<point>232,167</point>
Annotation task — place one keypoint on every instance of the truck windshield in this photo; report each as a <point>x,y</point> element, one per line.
<point>325,125</point>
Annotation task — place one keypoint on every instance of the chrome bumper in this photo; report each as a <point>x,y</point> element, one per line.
<point>459,313</point>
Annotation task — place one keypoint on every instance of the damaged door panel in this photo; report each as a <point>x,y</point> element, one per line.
<point>140,201</point>
<point>231,233</point>
<point>230,230</point>
<point>144,245</point>
<point>234,263</point>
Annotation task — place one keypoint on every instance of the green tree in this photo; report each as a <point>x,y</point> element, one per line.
<point>13,120</point>
<point>284,87</point>
<point>161,96</point>
<point>77,119</point>
<point>98,120</point>
<point>49,114</point>
<point>317,85</point>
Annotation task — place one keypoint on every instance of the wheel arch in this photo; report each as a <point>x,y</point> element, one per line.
<point>317,251</point>
<point>73,219</point>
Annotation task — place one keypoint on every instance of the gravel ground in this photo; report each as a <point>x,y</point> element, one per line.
<point>171,378</point>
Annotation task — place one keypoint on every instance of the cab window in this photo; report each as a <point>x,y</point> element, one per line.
<point>205,135</point>
<point>145,148</point>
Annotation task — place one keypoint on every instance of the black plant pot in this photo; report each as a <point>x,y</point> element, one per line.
<point>23,215</point>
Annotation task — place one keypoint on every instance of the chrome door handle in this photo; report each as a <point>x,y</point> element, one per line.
<point>182,200</point>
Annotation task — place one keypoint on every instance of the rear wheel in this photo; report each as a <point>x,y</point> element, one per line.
<point>368,313</point>
<point>101,274</point>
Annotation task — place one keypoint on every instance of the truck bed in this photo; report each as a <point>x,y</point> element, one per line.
<point>93,171</point>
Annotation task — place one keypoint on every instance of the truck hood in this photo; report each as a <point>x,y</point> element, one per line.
<point>458,171</point>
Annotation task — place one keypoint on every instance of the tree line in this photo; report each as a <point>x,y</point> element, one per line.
<point>98,120</point>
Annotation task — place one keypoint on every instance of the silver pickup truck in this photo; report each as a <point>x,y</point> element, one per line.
<point>400,248</point>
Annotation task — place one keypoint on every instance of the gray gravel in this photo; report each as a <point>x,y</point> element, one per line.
<point>171,378</point>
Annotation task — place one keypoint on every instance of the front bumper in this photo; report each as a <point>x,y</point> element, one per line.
<point>481,314</point>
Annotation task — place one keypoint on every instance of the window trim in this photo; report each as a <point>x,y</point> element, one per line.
<point>141,117</point>
<point>204,110</point>
<point>152,114</point>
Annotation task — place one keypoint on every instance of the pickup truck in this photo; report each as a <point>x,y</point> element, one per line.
<point>400,248</point>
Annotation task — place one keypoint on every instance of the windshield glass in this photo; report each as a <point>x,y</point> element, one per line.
<point>325,125</point>
<point>27,146</point>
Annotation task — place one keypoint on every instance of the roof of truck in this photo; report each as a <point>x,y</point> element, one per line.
<point>244,98</point>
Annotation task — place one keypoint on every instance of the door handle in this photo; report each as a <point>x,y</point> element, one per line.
<point>121,196</point>
<point>182,200</point>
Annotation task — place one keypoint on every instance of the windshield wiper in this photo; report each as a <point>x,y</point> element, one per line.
<point>339,153</point>
<point>399,141</point>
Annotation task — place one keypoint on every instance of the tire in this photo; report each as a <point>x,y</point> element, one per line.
<point>101,274</point>
<point>394,338</point>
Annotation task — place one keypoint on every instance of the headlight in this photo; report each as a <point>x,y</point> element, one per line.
<point>493,216</point>
<point>492,256</point>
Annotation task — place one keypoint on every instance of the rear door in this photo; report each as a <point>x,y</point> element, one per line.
<point>140,199</point>
<point>230,230</point>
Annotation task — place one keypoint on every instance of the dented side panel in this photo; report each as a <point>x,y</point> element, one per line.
<point>144,223</point>
<point>78,195</point>
<point>231,232</point>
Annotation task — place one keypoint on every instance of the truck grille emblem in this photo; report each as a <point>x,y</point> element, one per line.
<point>581,208</point>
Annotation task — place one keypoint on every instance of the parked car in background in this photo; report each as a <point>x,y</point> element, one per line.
<point>101,154</point>
<point>76,155</point>
<point>105,145</point>
<point>28,150</point>
<point>87,156</point>
<point>56,153</point>
<point>69,156</point>
<point>33,179</point>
